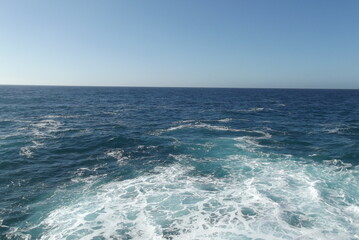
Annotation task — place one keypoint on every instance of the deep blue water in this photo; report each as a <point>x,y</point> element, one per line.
<point>178,163</point>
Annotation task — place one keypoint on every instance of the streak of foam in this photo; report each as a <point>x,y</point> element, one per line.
<point>225,120</point>
<point>62,116</point>
<point>201,125</point>
<point>260,199</point>
<point>252,110</point>
<point>13,134</point>
<point>187,121</point>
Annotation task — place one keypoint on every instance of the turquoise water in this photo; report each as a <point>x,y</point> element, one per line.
<point>173,163</point>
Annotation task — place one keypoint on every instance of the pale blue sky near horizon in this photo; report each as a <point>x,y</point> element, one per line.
<point>244,43</point>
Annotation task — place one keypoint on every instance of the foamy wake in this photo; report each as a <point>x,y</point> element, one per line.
<point>261,198</point>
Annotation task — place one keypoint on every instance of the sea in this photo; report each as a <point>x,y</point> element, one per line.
<point>178,163</point>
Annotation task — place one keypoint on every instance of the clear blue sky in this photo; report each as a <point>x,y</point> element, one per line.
<point>184,43</point>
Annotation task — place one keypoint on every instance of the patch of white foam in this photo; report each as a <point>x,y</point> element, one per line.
<point>28,151</point>
<point>88,175</point>
<point>2,225</point>
<point>339,164</point>
<point>118,154</point>
<point>250,143</point>
<point>45,128</point>
<point>15,233</point>
<point>352,210</point>
<point>217,128</point>
<point>334,130</point>
<point>260,199</point>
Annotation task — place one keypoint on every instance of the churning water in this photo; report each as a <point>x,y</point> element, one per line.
<point>172,163</point>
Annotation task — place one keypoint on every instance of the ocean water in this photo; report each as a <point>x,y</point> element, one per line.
<point>177,163</point>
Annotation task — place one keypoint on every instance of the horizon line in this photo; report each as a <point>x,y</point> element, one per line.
<point>114,86</point>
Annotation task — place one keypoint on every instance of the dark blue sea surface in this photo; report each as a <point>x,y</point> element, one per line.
<point>178,163</point>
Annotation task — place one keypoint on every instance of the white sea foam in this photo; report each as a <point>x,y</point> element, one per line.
<point>198,125</point>
<point>47,124</point>
<point>2,225</point>
<point>339,164</point>
<point>45,128</point>
<point>13,134</point>
<point>260,199</point>
<point>62,116</point>
<point>259,109</point>
<point>187,121</point>
<point>334,130</point>
<point>118,154</point>
<point>250,143</point>
<point>88,175</point>
<point>27,151</point>
<point>225,120</point>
